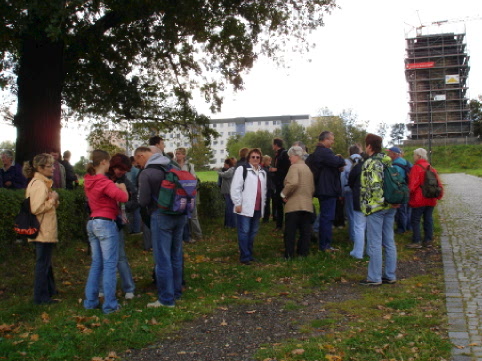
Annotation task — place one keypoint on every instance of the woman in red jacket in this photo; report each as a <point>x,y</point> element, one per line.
<point>421,206</point>
<point>103,195</point>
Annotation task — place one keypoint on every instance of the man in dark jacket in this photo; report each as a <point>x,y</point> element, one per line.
<point>166,229</point>
<point>281,165</point>
<point>327,185</point>
<point>71,180</point>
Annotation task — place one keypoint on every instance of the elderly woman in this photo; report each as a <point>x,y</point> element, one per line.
<point>43,203</point>
<point>11,173</point>
<point>226,179</point>
<point>248,193</point>
<point>420,205</point>
<point>298,197</point>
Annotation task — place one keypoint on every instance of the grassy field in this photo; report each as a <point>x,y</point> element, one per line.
<point>401,322</point>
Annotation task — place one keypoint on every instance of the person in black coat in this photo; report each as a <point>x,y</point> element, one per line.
<point>326,167</point>
<point>281,165</point>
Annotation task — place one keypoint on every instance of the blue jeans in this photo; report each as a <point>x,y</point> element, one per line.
<point>327,215</point>
<point>44,285</point>
<point>359,226</point>
<point>380,236</point>
<point>247,229</point>
<point>349,211</point>
<point>403,218</point>
<point>167,231</point>
<point>104,244</point>
<point>417,214</point>
<point>127,282</point>
<point>229,215</point>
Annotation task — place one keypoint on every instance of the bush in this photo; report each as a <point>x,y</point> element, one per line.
<point>72,214</point>
<point>211,202</point>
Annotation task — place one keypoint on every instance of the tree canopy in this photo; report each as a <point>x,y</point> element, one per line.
<point>136,60</point>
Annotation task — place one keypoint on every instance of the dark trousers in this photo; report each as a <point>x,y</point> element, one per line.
<point>327,215</point>
<point>267,206</point>
<point>297,221</point>
<point>417,214</point>
<point>44,284</point>
<point>278,205</point>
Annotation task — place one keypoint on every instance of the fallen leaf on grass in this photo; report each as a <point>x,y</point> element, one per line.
<point>333,358</point>
<point>34,338</point>
<point>45,317</point>
<point>224,323</point>
<point>259,279</point>
<point>298,351</point>
<point>6,328</point>
<point>250,312</point>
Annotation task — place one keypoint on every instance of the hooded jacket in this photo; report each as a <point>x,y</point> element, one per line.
<point>150,179</point>
<point>103,196</point>
<point>371,192</point>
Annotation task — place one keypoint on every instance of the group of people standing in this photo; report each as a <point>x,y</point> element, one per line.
<point>290,179</point>
<point>116,193</point>
<point>296,177</point>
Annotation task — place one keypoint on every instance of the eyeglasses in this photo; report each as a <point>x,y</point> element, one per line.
<point>49,166</point>
<point>255,157</point>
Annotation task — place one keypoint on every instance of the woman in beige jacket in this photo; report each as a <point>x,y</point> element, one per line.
<point>298,197</point>
<point>43,202</point>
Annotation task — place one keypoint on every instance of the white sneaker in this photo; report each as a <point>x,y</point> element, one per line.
<point>101,294</point>
<point>158,304</point>
<point>129,295</point>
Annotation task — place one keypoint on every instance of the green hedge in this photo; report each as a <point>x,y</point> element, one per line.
<point>72,214</point>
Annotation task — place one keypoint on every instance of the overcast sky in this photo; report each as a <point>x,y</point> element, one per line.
<point>358,64</point>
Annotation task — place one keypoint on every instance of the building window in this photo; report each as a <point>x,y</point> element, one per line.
<point>222,142</point>
<point>215,142</point>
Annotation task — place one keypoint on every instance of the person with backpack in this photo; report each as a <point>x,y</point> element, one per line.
<point>425,189</point>
<point>103,196</point>
<point>166,229</point>
<point>248,193</point>
<point>43,204</point>
<point>402,217</point>
<point>380,216</point>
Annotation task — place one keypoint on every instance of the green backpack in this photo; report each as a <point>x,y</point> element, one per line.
<point>395,189</point>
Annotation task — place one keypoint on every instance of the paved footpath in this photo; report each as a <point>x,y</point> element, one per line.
<point>461,241</point>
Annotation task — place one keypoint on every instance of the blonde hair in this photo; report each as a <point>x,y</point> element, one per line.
<point>181,150</point>
<point>39,161</point>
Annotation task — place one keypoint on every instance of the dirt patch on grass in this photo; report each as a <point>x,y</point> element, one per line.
<point>236,332</point>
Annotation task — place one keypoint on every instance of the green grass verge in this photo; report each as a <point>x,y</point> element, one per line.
<point>66,331</point>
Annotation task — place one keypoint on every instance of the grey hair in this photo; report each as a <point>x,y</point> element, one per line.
<point>324,134</point>
<point>299,143</point>
<point>296,150</point>
<point>8,153</point>
<point>422,153</point>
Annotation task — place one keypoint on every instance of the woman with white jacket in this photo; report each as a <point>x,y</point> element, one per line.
<point>248,193</point>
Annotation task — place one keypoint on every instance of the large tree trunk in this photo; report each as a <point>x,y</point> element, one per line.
<point>40,81</point>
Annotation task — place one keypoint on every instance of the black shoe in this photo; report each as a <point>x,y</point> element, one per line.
<point>246,263</point>
<point>388,281</point>
<point>369,283</point>
<point>413,246</point>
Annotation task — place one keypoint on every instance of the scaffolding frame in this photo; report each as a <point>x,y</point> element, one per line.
<point>437,70</point>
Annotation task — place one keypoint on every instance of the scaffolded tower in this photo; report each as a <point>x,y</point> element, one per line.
<point>436,69</point>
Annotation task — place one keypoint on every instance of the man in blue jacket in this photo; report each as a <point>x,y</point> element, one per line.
<point>327,167</point>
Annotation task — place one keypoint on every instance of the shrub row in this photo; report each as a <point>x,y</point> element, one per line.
<point>72,214</point>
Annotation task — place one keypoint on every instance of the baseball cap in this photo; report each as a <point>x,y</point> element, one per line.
<point>395,150</point>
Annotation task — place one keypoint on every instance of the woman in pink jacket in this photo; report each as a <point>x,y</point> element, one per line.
<point>103,195</point>
<point>421,206</point>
